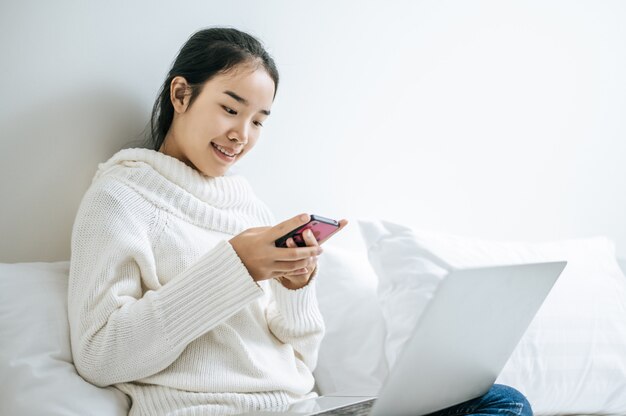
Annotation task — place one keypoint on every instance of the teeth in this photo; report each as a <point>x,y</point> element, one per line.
<point>221,149</point>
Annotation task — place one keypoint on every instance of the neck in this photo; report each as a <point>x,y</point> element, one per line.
<point>170,147</point>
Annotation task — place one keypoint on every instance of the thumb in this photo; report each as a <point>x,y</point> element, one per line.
<point>284,227</point>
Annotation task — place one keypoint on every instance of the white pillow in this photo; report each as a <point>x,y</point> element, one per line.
<point>351,354</point>
<point>571,360</point>
<point>38,376</point>
<point>36,370</point>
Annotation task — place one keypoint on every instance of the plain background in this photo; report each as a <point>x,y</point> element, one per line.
<point>493,119</point>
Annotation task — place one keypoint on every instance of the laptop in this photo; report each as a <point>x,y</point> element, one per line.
<point>458,347</point>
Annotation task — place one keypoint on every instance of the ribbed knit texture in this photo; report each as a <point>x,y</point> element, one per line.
<point>160,305</point>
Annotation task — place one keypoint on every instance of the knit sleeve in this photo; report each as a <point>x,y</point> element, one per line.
<point>294,318</point>
<point>120,331</point>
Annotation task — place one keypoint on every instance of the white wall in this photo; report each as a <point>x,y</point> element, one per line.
<point>495,119</point>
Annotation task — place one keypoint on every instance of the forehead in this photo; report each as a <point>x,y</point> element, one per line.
<point>253,84</point>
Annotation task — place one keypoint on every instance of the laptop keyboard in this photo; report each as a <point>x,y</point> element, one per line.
<point>356,409</point>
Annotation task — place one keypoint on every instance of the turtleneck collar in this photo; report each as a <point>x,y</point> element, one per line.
<point>171,184</point>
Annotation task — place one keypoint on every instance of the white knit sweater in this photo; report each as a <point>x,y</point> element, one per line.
<point>160,305</point>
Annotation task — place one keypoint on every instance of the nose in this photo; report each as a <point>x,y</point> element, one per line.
<point>239,133</point>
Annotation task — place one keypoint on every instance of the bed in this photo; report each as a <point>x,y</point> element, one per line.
<point>572,360</point>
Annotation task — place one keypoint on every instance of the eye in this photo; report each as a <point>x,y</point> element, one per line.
<point>258,123</point>
<point>229,110</point>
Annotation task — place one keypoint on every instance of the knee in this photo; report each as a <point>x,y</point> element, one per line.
<point>511,399</point>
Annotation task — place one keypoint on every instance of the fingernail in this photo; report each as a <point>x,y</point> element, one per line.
<point>304,217</point>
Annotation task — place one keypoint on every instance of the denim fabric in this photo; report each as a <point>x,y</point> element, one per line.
<point>499,400</point>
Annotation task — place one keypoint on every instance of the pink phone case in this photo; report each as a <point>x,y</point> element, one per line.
<point>321,227</point>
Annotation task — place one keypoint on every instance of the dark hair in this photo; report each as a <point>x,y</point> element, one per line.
<point>207,53</point>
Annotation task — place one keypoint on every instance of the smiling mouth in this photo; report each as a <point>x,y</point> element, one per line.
<point>224,151</point>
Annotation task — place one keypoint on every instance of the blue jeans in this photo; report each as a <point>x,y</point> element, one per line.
<point>499,400</point>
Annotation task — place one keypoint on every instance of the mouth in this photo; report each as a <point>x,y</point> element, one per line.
<point>225,152</point>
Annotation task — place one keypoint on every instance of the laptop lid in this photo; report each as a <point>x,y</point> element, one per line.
<point>459,345</point>
<point>464,337</point>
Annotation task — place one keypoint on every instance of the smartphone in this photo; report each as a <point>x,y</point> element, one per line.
<point>322,228</point>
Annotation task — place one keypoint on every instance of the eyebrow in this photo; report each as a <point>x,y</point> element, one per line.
<point>244,101</point>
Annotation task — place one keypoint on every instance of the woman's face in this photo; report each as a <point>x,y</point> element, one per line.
<point>223,123</point>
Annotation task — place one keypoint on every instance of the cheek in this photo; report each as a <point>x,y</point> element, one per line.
<point>204,128</point>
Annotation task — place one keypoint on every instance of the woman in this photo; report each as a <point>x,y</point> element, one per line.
<point>177,295</point>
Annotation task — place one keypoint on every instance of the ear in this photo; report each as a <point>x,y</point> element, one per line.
<point>180,93</point>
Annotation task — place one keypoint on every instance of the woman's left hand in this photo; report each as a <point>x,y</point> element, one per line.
<point>301,277</point>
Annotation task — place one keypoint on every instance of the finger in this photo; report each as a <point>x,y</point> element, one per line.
<point>291,266</point>
<point>299,272</point>
<point>291,243</point>
<point>309,238</point>
<point>294,253</point>
<point>310,262</point>
<point>284,227</point>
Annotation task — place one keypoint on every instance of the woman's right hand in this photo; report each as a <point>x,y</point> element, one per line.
<point>257,250</point>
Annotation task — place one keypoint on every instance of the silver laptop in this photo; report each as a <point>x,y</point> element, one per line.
<point>458,347</point>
